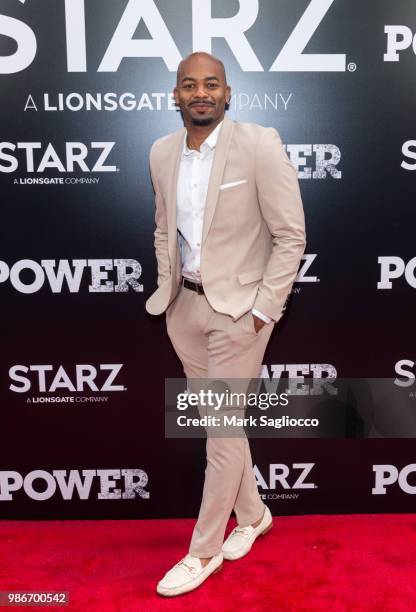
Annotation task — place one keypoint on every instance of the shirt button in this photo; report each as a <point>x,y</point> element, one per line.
<point>198,244</point>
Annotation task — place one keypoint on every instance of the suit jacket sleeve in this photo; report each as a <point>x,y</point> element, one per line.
<point>161,231</point>
<point>281,206</point>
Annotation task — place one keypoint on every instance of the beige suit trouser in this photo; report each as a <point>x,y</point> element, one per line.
<point>212,345</point>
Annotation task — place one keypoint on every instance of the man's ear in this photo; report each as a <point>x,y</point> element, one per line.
<point>227,97</point>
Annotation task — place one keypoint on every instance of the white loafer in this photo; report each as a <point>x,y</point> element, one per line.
<point>241,539</point>
<point>187,575</point>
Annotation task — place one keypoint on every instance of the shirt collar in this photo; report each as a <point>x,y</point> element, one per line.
<point>210,140</point>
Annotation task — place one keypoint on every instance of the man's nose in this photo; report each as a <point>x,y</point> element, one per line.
<point>200,92</point>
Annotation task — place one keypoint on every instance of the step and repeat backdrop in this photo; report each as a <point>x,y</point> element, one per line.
<point>86,87</point>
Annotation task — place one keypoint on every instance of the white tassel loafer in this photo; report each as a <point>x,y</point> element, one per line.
<point>187,575</point>
<point>241,539</point>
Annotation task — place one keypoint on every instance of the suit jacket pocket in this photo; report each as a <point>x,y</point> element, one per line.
<point>251,276</point>
<point>233,185</point>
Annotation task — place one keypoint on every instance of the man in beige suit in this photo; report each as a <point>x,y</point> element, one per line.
<point>230,234</point>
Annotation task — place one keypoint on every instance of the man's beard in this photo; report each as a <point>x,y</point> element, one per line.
<point>202,120</point>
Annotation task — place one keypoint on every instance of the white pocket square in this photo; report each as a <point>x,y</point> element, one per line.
<point>226,185</point>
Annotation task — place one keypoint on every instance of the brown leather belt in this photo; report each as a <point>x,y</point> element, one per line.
<point>193,286</point>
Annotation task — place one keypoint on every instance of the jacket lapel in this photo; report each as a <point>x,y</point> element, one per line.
<point>217,171</point>
<point>172,179</point>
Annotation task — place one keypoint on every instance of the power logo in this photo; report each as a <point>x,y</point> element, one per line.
<point>393,268</point>
<point>399,38</point>
<point>59,275</point>
<point>387,475</point>
<point>132,484</point>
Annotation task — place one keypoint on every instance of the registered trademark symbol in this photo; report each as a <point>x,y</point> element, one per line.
<point>352,67</point>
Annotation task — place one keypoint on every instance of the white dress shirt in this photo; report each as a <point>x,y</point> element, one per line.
<point>193,178</point>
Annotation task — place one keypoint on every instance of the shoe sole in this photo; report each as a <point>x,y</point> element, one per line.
<point>180,592</point>
<point>262,533</point>
<point>266,530</point>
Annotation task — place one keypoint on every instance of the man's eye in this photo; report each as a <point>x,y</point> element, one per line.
<point>212,84</point>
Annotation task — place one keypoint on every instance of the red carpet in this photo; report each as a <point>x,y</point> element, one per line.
<point>307,563</point>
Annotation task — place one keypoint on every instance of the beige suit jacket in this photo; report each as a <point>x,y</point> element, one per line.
<point>253,231</point>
